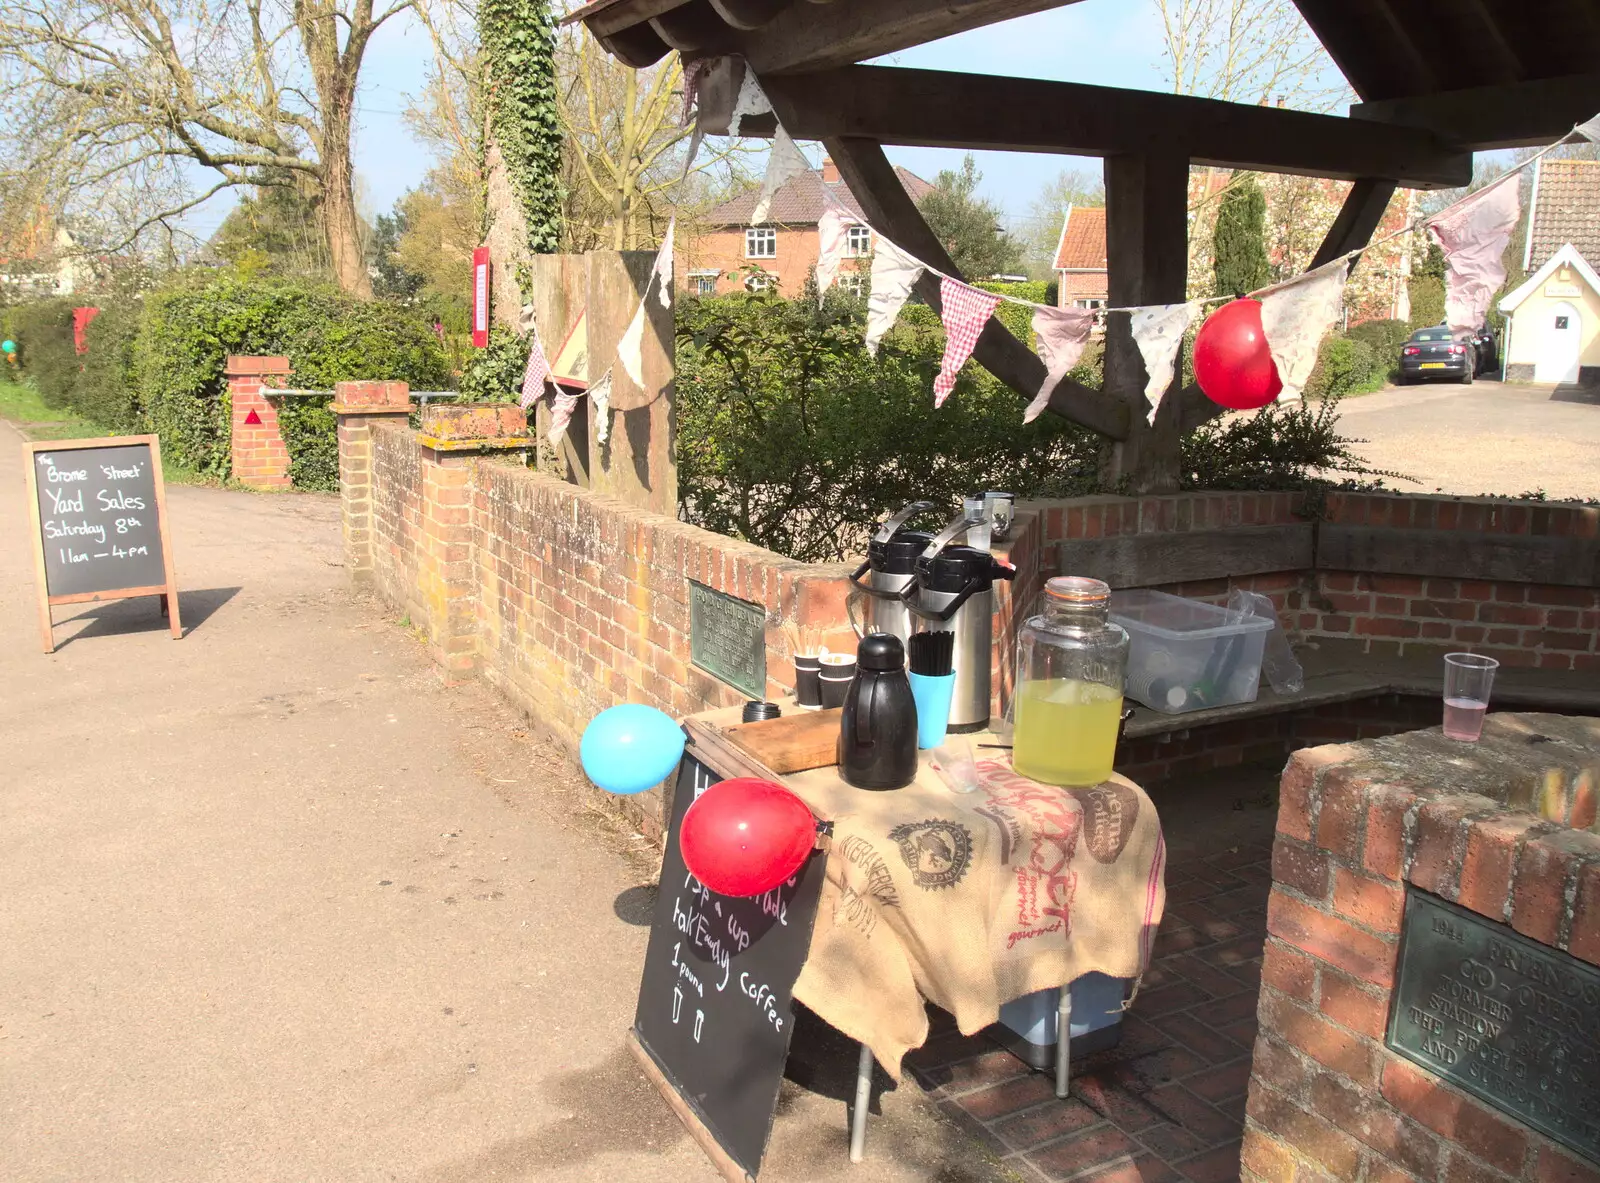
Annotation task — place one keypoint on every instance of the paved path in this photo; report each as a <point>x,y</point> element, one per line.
<point>1483,438</point>
<point>276,904</point>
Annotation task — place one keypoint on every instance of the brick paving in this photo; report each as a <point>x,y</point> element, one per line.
<point>1168,1102</point>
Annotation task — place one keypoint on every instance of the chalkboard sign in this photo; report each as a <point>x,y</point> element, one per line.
<point>715,1004</point>
<point>99,519</point>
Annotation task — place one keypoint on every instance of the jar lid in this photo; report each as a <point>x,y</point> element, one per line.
<point>1076,591</point>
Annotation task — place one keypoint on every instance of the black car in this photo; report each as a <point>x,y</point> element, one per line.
<point>1439,353</point>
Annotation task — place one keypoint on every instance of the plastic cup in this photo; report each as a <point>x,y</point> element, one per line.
<point>1468,678</point>
<point>932,696</point>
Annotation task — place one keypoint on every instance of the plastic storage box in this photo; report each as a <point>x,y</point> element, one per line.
<point>1027,1027</point>
<point>1187,655</point>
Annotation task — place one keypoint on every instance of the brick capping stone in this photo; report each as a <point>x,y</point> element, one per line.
<point>1507,828</point>
<point>357,407</point>
<point>475,427</point>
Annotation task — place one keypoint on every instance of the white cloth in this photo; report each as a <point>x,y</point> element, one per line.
<point>661,273</point>
<point>784,163</point>
<point>628,349</point>
<point>1474,234</point>
<point>1158,331</point>
<point>1590,128</point>
<point>833,235</point>
<point>600,403</point>
<point>752,100</point>
<point>1295,316</point>
<point>964,310</point>
<point>894,273</point>
<point>1063,333</point>
<point>561,413</point>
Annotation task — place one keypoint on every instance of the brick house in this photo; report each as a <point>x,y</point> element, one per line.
<point>783,249</point>
<point>1081,258</point>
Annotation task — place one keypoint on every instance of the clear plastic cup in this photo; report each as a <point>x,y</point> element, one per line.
<point>1468,678</point>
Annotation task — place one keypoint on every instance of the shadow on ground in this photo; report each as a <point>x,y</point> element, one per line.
<point>143,614</point>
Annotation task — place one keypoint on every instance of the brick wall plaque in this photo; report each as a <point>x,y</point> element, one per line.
<point>728,639</point>
<point>1505,1018</point>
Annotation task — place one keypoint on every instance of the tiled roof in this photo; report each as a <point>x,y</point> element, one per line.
<point>1566,209</point>
<point>801,202</point>
<point>1083,239</point>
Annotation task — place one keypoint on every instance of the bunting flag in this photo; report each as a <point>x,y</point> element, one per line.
<point>1473,235</point>
<point>894,273</point>
<point>1062,334</point>
<point>1158,331</point>
<point>628,349</point>
<point>964,311</point>
<point>537,374</point>
<point>833,234</point>
<point>1590,129</point>
<point>784,163</point>
<point>661,273</point>
<point>561,413</point>
<point>1296,315</point>
<point>600,401</point>
<point>694,69</point>
<point>752,100</point>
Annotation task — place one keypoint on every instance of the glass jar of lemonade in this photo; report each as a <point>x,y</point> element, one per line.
<point>1071,662</point>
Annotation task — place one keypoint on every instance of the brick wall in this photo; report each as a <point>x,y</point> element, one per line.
<point>258,456</point>
<point>1357,823</point>
<point>566,600</point>
<point>723,249</point>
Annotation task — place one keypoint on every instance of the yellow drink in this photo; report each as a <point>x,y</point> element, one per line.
<point>1066,731</point>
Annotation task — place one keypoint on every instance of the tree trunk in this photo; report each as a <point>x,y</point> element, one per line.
<point>340,222</point>
<point>334,75</point>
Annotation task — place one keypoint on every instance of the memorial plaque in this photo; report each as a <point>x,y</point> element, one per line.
<point>728,639</point>
<point>1505,1018</point>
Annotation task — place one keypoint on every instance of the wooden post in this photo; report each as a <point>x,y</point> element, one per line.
<point>1147,254</point>
<point>1363,209</point>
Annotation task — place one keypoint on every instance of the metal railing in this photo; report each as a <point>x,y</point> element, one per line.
<point>423,396</point>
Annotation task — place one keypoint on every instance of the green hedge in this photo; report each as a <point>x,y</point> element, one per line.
<point>42,333</point>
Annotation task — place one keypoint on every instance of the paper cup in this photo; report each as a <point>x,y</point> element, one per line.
<point>837,672</point>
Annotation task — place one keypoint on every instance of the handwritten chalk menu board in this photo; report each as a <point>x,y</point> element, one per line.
<point>99,518</point>
<point>715,1008</point>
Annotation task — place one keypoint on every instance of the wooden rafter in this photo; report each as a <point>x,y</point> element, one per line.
<point>936,108</point>
<point>1490,117</point>
<point>1363,209</point>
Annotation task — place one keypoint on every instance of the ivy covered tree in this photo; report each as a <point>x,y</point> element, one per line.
<point>518,39</point>
<point>1239,247</point>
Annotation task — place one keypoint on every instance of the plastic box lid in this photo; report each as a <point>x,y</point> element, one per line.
<point>1174,618</point>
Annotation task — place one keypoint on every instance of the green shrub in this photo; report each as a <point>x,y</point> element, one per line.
<point>1036,290</point>
<point>1281,446</point>
<point>1385,338</point>
<point>106,391</point>
<point>46,354</point>
<point>494,375</point>
<point>1344,366</point>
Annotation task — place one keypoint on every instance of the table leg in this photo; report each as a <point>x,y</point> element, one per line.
<point>1063,1040</point>
<point>858,1116</point>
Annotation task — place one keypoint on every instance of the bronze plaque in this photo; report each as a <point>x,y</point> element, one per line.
<point>1507,1019</point>
<point>728,639</point>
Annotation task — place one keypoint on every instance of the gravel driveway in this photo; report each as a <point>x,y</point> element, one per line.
<point>1489,438</point>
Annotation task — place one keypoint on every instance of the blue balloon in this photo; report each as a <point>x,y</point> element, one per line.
<point>630,748</point>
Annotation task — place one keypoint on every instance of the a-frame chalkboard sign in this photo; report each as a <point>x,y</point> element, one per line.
<point>716,999</point>
<point>99,512</point>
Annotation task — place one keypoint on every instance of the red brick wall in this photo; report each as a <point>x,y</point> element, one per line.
<point>1356,823</point>
<point>724,250</point>
<point>258,456</point>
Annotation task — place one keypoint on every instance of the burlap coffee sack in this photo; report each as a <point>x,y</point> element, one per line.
<point>973,900</point>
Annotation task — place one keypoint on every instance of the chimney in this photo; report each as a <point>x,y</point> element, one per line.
<point>830,171</point>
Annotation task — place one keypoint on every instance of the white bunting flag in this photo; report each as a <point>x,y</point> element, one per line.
<point>752,100</point>
<point>600,401</point>
<point>894,273</point>
<point>1473,235</point>
<point>1062,334</point>
<point>1590,129</point>
<point>1295,316</point>
<point>833,234</point>
<point>964,311</point>
<point>537,374</point>
<point>661,273</point>
<point>628,349</point>
<point>784,163</point>
<point>1158,331</point>
<point>561,413</point>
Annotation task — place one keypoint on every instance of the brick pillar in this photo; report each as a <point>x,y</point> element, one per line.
<point>451,436</point>
<point>358,405</point>
<point>259,458</point>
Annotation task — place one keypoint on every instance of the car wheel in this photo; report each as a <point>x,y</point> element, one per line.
<point>1466,377</point>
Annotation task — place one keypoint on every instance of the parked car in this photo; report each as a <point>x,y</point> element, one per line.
<point>1438,352</point>
<point>1488,350</point>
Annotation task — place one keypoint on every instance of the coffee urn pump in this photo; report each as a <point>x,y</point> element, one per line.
<point>953,589</point>
<point>891,564</point>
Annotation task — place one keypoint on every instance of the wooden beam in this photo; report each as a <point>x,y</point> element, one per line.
<point>693,28</point>
<point>1370,47</point>
<point>1147,257</point>
<point>1364,207</point>
<point>819,36</point>
<point>890,210</point>
<point>637,45</point>
<point>1485,118</point>
<point>606,17</point>
<point>935,108</point>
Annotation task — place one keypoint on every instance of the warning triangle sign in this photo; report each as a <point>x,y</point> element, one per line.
<point>252,418</point>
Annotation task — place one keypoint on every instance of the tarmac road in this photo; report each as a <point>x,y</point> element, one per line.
<point>278,904</point>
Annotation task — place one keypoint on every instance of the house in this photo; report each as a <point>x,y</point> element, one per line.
<point>729,252</point>
<point>44,261</point>
<point>1553,319</point>
<point>1081,274</point>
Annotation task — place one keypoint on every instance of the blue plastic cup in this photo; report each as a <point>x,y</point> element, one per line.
<point>932,696</point>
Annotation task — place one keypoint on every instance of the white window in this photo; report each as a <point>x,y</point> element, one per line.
<point>703,283</point>
<point>858,242</point>
<point>1094,304</point>
<point>760,281</point>
<point>761,242</point>
<point>854,282</point>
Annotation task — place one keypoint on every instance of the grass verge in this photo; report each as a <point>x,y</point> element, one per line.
<point>21,405</point>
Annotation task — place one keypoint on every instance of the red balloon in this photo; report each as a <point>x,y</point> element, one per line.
<point>745,836</point>
<point>1232,362</point>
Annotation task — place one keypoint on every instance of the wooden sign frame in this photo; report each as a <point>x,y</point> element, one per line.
<point>168,591</point>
